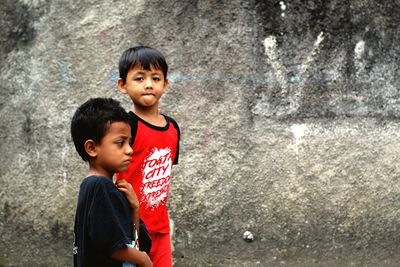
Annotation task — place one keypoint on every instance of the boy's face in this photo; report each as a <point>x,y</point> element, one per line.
<point>113,153</point>
<point>145,87</point>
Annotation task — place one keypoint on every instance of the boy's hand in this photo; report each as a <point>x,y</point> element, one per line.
<point>140,258</point>
<point>146,260</point>
<point>130,194</point>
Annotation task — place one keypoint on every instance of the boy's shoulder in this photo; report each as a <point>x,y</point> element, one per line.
<point>172,121</point>
<point>96,182</point>
<point>93,179</point>
<point>98,189</point>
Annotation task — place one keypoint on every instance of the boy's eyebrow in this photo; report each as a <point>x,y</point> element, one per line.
<point>152,72</point>
<point>123,136</point>
<point>140,72</point>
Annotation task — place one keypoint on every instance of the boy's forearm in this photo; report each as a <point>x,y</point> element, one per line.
<point>136,219</point>
<point>131,255</point>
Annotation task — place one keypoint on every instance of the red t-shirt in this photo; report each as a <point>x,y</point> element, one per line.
<point>155,150</point>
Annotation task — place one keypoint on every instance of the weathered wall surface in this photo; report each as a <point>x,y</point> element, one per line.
<point>289,113</point>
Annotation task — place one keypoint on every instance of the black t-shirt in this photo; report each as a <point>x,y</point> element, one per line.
<point>103,223</point>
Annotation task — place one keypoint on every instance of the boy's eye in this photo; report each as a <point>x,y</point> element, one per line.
<point>156,78</point>
<point>138,79</point>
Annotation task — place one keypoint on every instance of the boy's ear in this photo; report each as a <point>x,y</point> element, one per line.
<point>122,86</point>
<point>166,85</point>
<point>90,148</point>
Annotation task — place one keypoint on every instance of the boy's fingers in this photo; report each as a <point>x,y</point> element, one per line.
<point>122,183</point>
<point>119,182</point>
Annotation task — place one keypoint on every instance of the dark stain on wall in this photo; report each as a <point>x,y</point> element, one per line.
<point>6,213</point>
<point>17,25</point>
<point>59,230</point>
<point>16,28</point>
<point>27,127</point>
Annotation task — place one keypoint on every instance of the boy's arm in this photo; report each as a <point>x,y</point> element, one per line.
<point>176,126</point>
<point>132,255</point>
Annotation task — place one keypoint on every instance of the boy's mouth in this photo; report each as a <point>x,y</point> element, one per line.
<point>148,94</point>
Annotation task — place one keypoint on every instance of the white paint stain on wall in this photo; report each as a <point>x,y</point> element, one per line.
<point>283,8</point>
<point>273,58</point>
<point>359,51</point>
<point>296,98</point>
<point>312,54</point>
<point>64,155</point>
<point>298,131</point>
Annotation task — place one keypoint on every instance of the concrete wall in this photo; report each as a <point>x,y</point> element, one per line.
<point>289,112</point>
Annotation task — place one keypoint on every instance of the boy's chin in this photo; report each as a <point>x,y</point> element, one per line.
<point>122,169</point>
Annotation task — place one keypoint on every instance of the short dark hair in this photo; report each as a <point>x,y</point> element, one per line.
<point>144,56</point>
<point>92,121</point>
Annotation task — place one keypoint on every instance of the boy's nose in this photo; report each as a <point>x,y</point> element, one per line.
<point>129,150</point>
<point>148,84</point>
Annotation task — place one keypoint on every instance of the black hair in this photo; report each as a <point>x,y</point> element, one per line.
<point>92,120</point>
<point>144,56</point>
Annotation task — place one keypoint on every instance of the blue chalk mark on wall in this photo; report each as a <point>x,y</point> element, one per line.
<point>256,79</point>
<point>112,81</point>
<point>63,71</point>
<point>225,77</point>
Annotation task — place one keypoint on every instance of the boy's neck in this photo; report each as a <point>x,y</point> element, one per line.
<point>152,116</point>
<point>93,171</point>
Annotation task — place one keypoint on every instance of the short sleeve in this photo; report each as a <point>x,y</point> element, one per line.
<point>175,124</point>
<point>110,221</point>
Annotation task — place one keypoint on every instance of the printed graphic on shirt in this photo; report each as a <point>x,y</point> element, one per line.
<point>74,247</point>
<point>156,177</point>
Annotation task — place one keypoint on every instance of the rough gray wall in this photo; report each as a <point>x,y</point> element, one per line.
<point>289,115</point>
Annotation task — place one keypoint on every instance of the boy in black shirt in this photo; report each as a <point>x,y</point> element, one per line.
<point>104,216</point>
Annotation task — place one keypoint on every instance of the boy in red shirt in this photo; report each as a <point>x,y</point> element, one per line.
<point>143,77</point>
